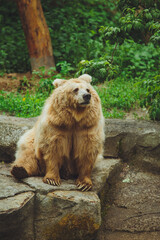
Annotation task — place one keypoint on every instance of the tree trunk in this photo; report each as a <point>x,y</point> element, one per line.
<point>36,33</point>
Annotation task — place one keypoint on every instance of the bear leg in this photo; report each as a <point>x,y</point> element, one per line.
<point>52,176</point>
<point>87,150</point>
<point>26,164</point>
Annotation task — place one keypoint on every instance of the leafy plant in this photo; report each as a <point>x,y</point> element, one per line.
<point>101,69</point>
<point>131,60</point>
<point>152,97</point>
<point>46,77</point>
<point>119,96</point>
<point>73,26</point>
<point>140,20</point>
<point>28,105</point>
<point>64,67</point>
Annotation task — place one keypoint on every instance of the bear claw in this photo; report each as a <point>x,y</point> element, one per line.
<point>84,187</point>
<point>52,182</point>
<point>87,188</point>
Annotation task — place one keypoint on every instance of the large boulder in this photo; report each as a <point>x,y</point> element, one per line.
<point>16,208</point>
<point>33,210</point>
<point>137,142</point>
<point>11,128</point>
<point>132,207</point>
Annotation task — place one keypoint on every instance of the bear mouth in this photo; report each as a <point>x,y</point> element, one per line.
<point>85,103</point>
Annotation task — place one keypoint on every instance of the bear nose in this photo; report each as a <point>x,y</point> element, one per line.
<point>87,97</point>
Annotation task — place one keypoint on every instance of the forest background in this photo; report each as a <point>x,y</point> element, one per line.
<point>116,42</point>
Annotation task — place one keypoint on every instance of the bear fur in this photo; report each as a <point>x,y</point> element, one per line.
<point>67,138</point>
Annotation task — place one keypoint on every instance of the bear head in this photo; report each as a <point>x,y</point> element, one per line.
<point>75,92</point>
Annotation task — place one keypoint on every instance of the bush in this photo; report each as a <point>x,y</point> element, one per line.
<point>14,55</point>
<point>152,97</point>
<point>130,61</point>
<point>100,69</point>
<point>137,60</point>
<point>73,27</point>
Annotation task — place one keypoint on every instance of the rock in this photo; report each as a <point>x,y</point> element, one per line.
<point>127,139</point>
<point>102,171</point>
<point>16,201</point>
<point>71,214</point>
<point>133,204</point>
<point>30,209</point>
<point>15,221</point>
<point>129,236</point>
<point>11,187</point>
<point>38,211</point>
<point>11,128</point>
<point>137,142</point>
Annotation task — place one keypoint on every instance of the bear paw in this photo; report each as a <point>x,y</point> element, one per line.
<point>52,181</point>
<point>84,185</point>
<point>19,172</point>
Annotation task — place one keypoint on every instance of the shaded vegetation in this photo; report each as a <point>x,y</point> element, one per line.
<point>117,42</point>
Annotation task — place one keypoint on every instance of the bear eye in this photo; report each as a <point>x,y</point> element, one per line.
<point>87,90</point>
<point>75,90</point>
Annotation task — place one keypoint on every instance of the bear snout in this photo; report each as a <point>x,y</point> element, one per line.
<point>87,97</point>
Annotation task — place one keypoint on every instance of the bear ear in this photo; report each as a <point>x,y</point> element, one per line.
<point>86,77</point>
<point>58,82</point>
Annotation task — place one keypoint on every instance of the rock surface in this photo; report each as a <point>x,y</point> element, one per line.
<point>134,141</point>
<point>137,142</point>
<point>132,207</point>
<point>130,236</point>
<point>11,128</point>
<point>125,196</point>
<point>39,211</point>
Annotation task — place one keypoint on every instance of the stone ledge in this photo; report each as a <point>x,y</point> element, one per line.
<point>136,142</point>
<point>132,207</point>
<point>52,212</point>
<point>127,139</point>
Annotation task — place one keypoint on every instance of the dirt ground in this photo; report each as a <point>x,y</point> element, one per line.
<point>13,82</point>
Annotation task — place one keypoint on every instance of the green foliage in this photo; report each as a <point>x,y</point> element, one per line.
<point>73,27</point>
<point>100,69</point>
<point>137,60</point>
<point>28,105</point>
<point>140,20</point>
<point>152,97</point>
<point>119,96</point>
<point>13,49</point>
<point>131,60</point>
<point>64,67</point>
<point>119,47</point>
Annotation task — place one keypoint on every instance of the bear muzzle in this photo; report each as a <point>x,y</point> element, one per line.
<point>86,98</point>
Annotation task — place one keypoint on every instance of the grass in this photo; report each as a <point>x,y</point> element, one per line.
<point>27,105</point>
<point>118,97</point>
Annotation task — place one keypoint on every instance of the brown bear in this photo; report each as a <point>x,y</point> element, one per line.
<point>67,138</point>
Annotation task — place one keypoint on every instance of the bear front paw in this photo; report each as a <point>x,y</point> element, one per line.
<point>84,185</point>
<point>52,181</point>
